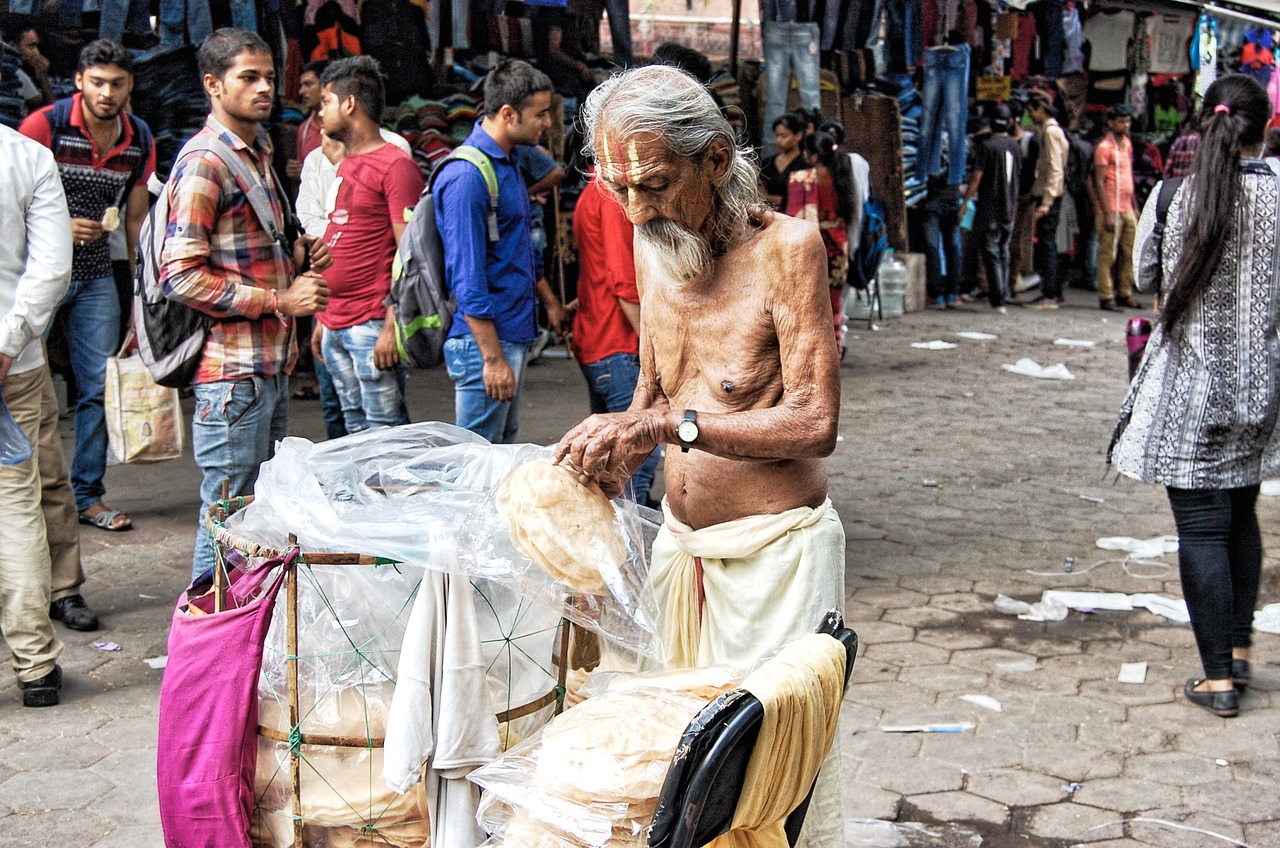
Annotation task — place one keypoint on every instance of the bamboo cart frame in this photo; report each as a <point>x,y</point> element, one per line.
<point>223,538</point>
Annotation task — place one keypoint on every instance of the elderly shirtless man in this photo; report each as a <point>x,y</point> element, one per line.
<point>738,372</point>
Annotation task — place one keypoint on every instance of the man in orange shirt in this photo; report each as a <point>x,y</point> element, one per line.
<point>1116,212</point>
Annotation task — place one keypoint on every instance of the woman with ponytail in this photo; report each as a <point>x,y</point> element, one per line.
<point>1200,416</point>
<point>822,193</point>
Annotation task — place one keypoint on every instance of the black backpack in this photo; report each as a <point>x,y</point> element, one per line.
<point>171,335</point>
<point>420,293</point>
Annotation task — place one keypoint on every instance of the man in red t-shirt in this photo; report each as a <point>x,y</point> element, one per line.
<point>309,137</point>
<point>606,328</point>
<point>373,196</point>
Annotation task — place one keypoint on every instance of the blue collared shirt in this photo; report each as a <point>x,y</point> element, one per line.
<point>493,281</point>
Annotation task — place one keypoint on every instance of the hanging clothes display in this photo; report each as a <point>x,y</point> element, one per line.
<point>1204,54</point>
<point>1257,58</point>
<point>946,108</point>
<point>1072,40</point>
<point>1170,36</point>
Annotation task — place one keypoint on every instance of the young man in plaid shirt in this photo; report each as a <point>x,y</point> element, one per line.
<point>220,259</point>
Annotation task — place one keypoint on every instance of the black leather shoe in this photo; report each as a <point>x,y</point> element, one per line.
<point>73,612</point>
<point>1240,675</point>
<point>1225,704</point>
<point>42,692</point>
<point>1109,306</point>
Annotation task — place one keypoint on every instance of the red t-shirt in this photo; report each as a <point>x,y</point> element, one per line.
<point>606,272</point>
<point>371,192</point>
<point>309,137</point>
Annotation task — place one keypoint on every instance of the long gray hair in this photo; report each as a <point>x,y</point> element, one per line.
<point>672,105</point>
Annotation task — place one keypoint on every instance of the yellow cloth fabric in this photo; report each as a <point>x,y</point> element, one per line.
<point>801,690</point>
<point>767,579</point>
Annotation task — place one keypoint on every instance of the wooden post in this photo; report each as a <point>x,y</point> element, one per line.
<point>219,565</point>
<point>295,730</point>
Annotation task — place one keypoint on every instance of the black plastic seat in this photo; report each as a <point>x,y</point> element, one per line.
<point>700,794</point>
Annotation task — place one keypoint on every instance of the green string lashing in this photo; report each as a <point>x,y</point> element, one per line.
<point>295,739</point>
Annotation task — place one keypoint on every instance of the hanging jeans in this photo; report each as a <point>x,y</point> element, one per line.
<point>789,48</point>
<point>946,107</point>
<point>121,16</point>
<point>902,32</point>
<point>1220,563</point>
<point>1048,17</point>
<point>192,18</point>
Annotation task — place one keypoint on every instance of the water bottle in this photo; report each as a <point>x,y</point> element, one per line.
<point>892,278</point>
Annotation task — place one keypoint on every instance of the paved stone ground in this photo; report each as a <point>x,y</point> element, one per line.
<point>956,480</point>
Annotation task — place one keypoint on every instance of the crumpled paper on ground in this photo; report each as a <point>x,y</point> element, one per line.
<point>1055,603</point>
<point>1030,368</point>
<point>1267,619</point>
<point>973,336</point>
<point>1075,343</point>
<point>936,344</point>
<point>1140,548</point>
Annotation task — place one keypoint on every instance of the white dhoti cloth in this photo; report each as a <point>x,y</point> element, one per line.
<point>732,593</point>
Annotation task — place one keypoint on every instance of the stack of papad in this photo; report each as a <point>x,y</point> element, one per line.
<point>599,767</point>
<point>568,529</point>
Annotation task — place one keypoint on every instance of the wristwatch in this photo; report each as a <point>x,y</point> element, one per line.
<point>687,431</point>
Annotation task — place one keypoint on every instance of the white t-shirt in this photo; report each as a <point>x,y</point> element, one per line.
<point>1170,36</point>
<point>1109,34</point>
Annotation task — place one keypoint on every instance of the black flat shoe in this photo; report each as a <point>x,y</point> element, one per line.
<point>73,612</point>
<point>42,692</point>
<point>1225,704</point>
<point>1240,675</point>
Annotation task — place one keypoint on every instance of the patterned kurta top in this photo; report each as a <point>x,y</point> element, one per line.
<point>1201,411</point>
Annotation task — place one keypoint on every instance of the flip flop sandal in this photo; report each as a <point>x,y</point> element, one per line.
<point>104,521</point>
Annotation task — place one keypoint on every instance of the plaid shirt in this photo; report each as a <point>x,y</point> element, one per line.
<point>1181,155</point>
<point>218,258</point>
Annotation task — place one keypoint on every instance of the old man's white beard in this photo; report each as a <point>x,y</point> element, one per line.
<point>667,250</point>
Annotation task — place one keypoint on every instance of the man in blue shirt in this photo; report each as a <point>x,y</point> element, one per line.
<point>495,281</point>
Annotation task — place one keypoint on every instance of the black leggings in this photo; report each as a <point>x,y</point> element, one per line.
<point>1220,560</point>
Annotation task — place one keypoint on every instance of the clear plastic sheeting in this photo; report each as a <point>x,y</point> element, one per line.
<point>399,492</point>
<point>593,775</point>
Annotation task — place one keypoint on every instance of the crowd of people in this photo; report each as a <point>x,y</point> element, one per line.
<point>676,220</point>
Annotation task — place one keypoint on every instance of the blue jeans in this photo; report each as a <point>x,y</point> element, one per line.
<point>182,18</point>
<point>903,32</point>
<point>789,48</point>
<point>1220,563</point>
<point>234,430</point>
<point>474,410</point>
<point>620,31</point>
<point>611,384</point>
<point>92,310</point>
<point>992,240</point>
<point>370,397</point>
<point>941,225</point>
<point>121,15</point>
<point>946,106</point>
<point>334,425</point>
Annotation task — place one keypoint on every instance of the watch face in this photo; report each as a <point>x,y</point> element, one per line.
<point>687,431</point>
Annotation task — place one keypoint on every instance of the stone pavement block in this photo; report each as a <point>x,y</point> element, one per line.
<point>1017,727</point>
<point>874,671</point>
<point>962,602</point>
<point>52,789</point>
<point>960,807</point>
<point>1176,769</point>
<point>1237,800</point>
<point>129,733</point>
<point>865,801</point>
<point>990,659</point>
<point>877,745</point>
<point>138,700</point>
<point>134,802</point>
<point>856,614</point>
<point>37,754</point>
<point>922,617</point>
<point>1041,683</point>
<point>932,583</point>
<point>1125,738</point>
<point>1014,787</point>
<point>953,638</point>
<point>132,836</point>
<point>1128,694</point>
<point>911,777</point>
<point>1127,794</point>
<point>1165,828</point>
<point>1262,833</point>
<point>1177,637</point>
<point>972,751</point>
<point>50,723</point>
<point>1079,665</point>
<point>1265,770</point>
<point>1078,709</point>
<point>873,632</point>
<point>52,829</point>
<point>139,762</point>
<point>857,718</point>
<point>890,696</point>
<point>1226,740</point>
<point>1072,822</point>
<point>886,597</point>
<point>908,654</point>
<point>944,678</point>
<point>1070,761</point>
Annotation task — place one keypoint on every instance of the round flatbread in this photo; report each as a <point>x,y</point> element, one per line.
<point>568,529</point>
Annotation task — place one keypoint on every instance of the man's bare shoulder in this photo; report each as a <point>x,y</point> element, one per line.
<point>786,242</point>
